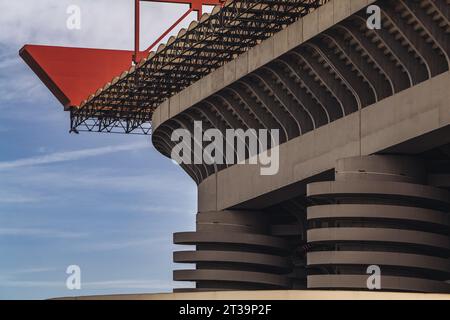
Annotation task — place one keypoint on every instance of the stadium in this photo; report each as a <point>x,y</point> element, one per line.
<point>363,120</point>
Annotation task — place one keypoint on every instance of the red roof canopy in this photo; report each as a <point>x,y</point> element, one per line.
<point>72,74</point>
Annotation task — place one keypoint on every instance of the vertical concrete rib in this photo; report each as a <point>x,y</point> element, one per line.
<point>328,105</point>
<point>272,104</point>
<point>361,91</point>
<point>429,24</point>
<point>416,71</point>
<point>312,59</point>
<point>247,95</point>
<point>300,117</point>
<point>399,80</point>
<point>308,75</point>
<point>303,107</point>
<point>377,80</point>
<point>436,63</point>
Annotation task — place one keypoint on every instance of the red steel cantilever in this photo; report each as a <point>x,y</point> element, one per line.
<point>194,5</point>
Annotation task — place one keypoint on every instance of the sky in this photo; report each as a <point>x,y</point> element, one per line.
<point>108,203</point>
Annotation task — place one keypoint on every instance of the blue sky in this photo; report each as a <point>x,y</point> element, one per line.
<point>99,201</point>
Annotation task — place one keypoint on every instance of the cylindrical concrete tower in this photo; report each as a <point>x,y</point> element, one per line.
<point>234,250</point>
<point>378,211</point>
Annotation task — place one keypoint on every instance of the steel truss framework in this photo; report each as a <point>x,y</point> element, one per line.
<point>126,104</point>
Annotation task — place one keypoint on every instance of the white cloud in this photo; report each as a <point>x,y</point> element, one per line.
<point>70,155</point>
<point>40,182</point>
<point>40,233</point>
<point>125,244</point>
<point>31,284</point>
<point>32,270</point>
<point>153,208</point>
<point>24,88</point>
<point>7,62</point>
<point>104,23</point>
<point>11,198</point>
<point>150,285</point>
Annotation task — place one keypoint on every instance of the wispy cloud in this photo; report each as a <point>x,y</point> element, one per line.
<point>31,284</point>
<point>17,198</point>
<point>42,180</point>
<point>41,233</point>
<point>151,208</point>
<point>12,92</point>
<point>8,61</point>
<point>32,270</point>
<point>125,244</point>
<point>143,284</point>
<point>69,156</point>
<point>104,23</point>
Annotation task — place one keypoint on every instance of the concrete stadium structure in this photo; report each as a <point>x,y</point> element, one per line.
<point>363,116</point>
<point>364,179</point>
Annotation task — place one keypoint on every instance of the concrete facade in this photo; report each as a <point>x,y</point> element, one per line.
<point>364,174</point>
<point>419,111</point>
<point>270,49</point>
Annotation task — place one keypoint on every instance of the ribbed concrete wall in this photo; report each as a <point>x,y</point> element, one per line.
<point>421,115</point>
<point>287,39</point>
<point>344,99</point>
<point>335,73</point>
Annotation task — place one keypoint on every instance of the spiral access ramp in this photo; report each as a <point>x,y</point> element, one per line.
<point>234,251</point>
<point>379,211</point>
